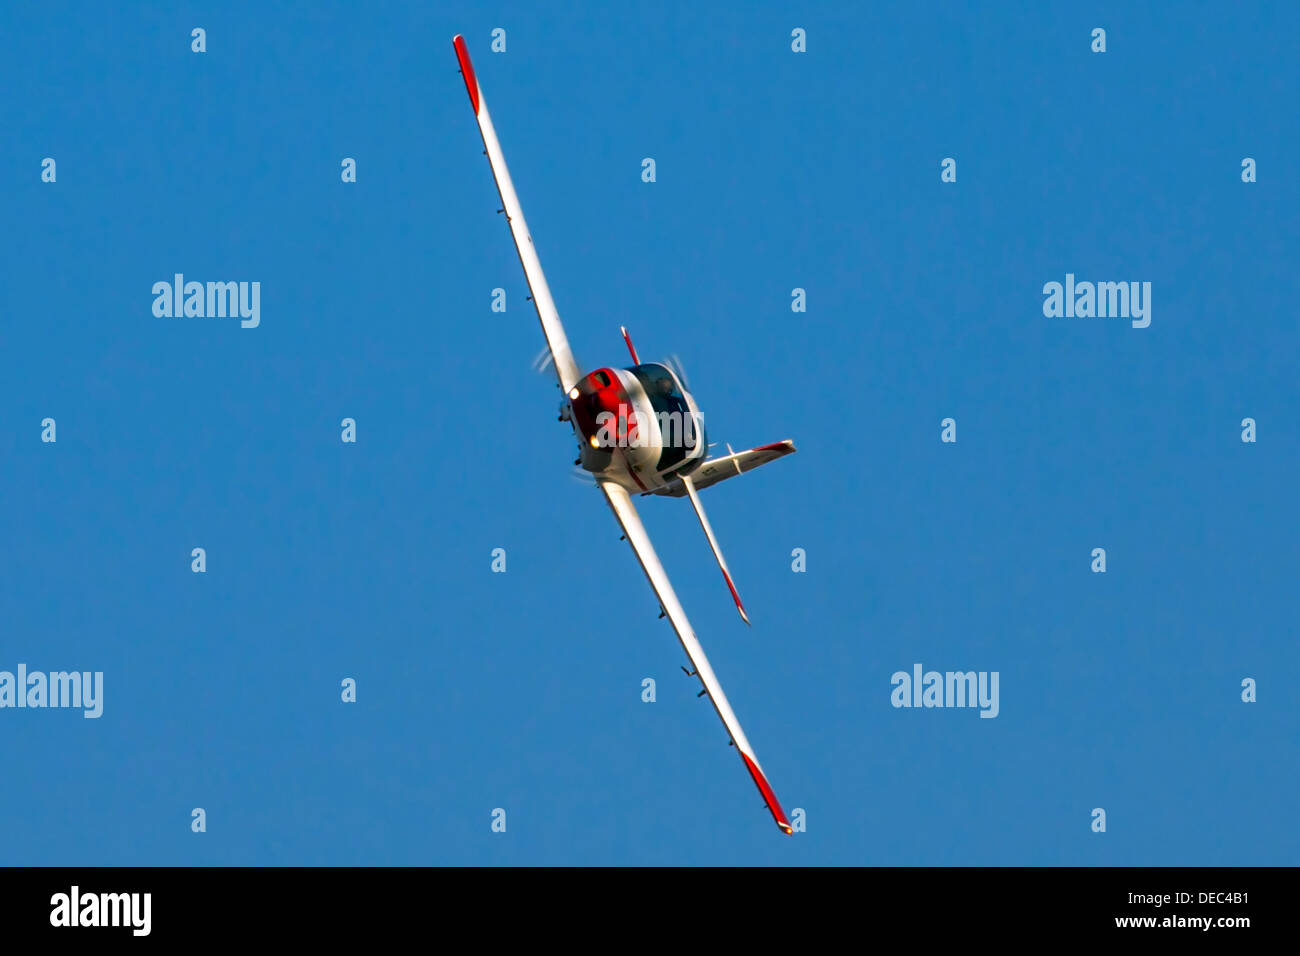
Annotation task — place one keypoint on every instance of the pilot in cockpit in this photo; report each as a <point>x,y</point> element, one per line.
<point>668,393</point>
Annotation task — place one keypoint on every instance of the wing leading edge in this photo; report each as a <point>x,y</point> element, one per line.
<point>621,504</point>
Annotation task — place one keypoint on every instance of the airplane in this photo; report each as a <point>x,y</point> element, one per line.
<point>639,431</point>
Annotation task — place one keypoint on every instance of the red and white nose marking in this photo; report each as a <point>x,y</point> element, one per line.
<point>595,395</point>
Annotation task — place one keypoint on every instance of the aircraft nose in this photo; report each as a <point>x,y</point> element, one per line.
<point>601,408</point>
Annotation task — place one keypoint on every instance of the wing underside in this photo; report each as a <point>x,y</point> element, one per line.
<point>621,504</point>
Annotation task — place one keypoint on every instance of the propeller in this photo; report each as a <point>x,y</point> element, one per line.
<point>674,362</point>
<point>543,361</point>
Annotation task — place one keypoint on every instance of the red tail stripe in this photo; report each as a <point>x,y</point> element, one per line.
<point>631,348</point>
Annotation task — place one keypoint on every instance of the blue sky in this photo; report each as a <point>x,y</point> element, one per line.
<point>522,690</point>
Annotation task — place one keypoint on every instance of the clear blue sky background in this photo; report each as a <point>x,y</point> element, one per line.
<point>523,690</point>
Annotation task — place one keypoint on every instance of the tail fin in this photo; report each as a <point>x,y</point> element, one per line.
<point>630,347</point>
<point>728,466</point>
<point>713,543</point>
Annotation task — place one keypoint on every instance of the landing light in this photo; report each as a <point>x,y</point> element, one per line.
<point>573,393</point>
<point>595,442</point>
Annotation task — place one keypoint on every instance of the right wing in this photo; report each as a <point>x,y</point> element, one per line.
<point>621,503</point>
<point>566,367</point>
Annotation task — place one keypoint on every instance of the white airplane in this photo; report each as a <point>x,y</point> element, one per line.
<point>638,430</point>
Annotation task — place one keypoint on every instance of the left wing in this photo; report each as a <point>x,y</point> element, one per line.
<point>621,503</point>
<point>566,367</point>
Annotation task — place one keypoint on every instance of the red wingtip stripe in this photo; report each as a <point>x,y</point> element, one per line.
<point>467,68</point>
<point>768,796</point>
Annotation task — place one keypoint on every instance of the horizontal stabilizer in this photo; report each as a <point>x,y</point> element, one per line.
<point>728,466</point>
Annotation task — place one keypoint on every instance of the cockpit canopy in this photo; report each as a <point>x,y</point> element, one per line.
<point>661,385</point>
<point>682,431</point>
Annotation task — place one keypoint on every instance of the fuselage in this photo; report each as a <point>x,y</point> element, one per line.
<point>637,426</point>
